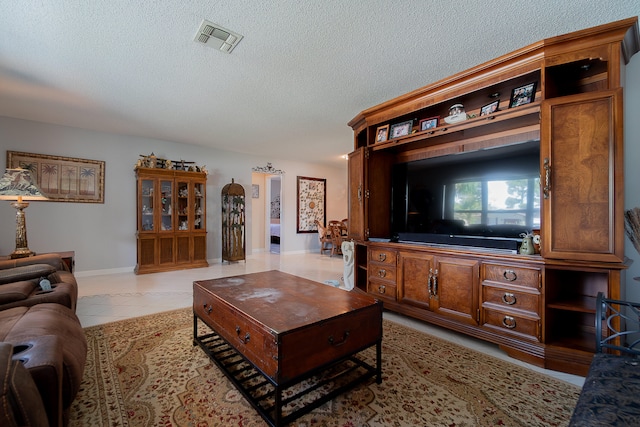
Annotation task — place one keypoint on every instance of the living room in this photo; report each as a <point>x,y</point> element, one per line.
<point>103,236</point>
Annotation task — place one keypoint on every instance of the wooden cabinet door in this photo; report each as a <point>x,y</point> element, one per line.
<point>582,177</point>
<point>356,194</point>
<point>455,288</point>
<point>413,278</point>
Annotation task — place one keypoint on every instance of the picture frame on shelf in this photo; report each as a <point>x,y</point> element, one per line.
<point>427,124</point>
<point>490,108</point>
<point>400,129</point>
<point>382,134</point>
<point>523,95</point>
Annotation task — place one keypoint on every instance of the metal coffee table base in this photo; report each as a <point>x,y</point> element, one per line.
<point>309,391</point>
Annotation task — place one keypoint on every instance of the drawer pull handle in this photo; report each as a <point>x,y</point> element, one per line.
<point>382,272</point>
<point>510,275</point>
<point>208,309</point>
<point>509,298</point>
<point>382,257</point>
<point>382,289</point>
<point>509,322</point>
<point>246,338</point>
<point>337,344</point>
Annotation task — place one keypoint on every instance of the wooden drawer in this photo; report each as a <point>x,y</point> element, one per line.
<point>510,323</point>
<point>383,272</point>
<point>255,342</point>
<point>519,276</point>
<point>382,289</point>
<point>511,298</point>
<point>382,256</point>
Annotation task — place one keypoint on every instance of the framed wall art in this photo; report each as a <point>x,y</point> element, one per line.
<point>63,179</point>
<point>311,204</point>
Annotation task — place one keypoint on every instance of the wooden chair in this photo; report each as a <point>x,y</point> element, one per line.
<point>324,237</point>
<point>337,236</point>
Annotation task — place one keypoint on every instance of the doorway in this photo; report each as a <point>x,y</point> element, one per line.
<point>274,213</point>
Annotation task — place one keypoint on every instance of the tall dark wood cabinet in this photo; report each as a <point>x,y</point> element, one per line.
<point>537,307</point>
<point>171,217</point>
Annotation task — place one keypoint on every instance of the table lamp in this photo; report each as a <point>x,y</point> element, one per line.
<point>18,185</point>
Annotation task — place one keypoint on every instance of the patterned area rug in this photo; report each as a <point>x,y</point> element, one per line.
<point>146,372</point>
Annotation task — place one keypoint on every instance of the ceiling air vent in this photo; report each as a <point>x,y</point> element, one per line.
<point>217,37</point>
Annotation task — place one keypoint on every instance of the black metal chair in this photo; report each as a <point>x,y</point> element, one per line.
<point>622,321</point>
<point>611,392</point>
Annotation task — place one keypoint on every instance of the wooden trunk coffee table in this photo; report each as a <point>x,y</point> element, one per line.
<point>275,332</point>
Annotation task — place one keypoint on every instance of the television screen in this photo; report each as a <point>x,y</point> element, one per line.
<point>491,194</point>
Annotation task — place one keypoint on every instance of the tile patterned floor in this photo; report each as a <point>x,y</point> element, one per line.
<point>111,297</point>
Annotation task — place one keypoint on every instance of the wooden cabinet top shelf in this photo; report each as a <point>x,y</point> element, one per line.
<point>504,119</point>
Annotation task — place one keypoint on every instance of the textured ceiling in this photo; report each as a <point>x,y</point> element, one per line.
<point>303,70</point>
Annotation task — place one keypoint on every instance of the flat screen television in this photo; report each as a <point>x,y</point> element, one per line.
<point>485,198</point>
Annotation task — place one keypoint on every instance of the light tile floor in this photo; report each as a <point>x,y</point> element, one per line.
<point>111,297</point>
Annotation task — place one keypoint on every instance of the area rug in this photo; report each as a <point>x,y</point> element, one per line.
<point>146,372</point>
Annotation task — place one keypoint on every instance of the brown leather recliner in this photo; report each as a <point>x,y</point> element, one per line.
<point>20,401</point>
<point>20,282</point>
<point>50,342</point>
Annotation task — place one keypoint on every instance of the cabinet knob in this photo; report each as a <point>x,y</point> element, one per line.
<point>382,272</point>
<point>382,289</point>
<point>509,298</point>
<point>382,257</point>
<point>509,322</point>
<point>510,275</point>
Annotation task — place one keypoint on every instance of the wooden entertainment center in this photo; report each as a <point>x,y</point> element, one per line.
<point>541,307</point>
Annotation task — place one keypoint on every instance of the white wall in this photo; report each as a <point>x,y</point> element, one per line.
<point>632,166</point>
<point>103,235</point>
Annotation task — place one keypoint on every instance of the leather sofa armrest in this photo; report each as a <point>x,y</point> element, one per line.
<point>25,272</point>
<point>53,259</point>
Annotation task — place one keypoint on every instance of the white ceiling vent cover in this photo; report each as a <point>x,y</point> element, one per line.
<point>217,37</point>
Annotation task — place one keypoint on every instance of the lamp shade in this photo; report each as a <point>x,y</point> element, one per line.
<point>18,184</point>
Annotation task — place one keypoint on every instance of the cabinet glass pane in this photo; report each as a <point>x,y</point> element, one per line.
<point>183,205</point>
<point>166,194</point>
<point>147,205</point>
<point>198,222</point>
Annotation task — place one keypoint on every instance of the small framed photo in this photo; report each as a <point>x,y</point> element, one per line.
<point>401,129</point>
<point>490,108</point>
<point>523,95</point>
<point>430,123</point>
<point>382,134</point>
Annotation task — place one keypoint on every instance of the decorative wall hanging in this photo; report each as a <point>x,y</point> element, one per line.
<point>311,203</point>
<point>233,219</point>
<point>63,179</point>
<point>267,169</point>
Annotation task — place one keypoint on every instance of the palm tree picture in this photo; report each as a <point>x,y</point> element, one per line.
<point>87,181</point>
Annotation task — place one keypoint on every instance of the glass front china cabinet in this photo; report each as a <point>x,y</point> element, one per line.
<point>171,231</point>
